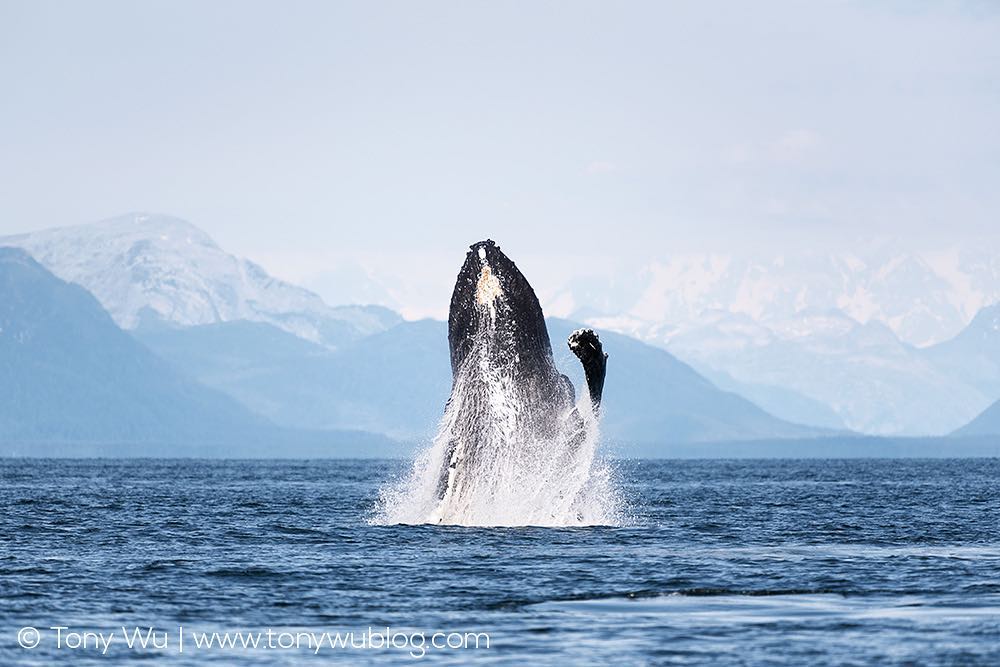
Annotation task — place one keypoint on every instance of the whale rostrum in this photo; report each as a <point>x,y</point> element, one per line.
<point>508,400</point>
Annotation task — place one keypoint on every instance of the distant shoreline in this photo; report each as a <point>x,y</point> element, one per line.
<point>854,447</point>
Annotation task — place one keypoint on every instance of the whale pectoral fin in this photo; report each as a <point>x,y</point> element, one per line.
<point>586,345</point>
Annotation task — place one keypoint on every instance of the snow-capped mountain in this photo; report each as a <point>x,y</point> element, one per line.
<point>815,337</point>
<point>856,323</point>
<point>148,269</point>
<point>873,381</point>
<point>925,297</point>
<point>845,329</point>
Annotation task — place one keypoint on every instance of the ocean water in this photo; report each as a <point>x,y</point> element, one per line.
<point>717,562</point>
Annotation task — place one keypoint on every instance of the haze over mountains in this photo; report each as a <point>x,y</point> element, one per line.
<point>396,382</point>
<point>924,297</point>
<point>874,382</point>
<point>824,337</point>
<point>153,269</point>
<point>974,354</point>
<point>846,329</point>
<point>241,343</point>
<point>986,423</point>
<point>74,383</point>
<point>236,350</point>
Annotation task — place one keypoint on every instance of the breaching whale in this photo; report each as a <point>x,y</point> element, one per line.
<point>511,416</point>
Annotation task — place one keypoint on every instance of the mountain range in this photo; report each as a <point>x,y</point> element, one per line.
<point>874,382</point>
<point>154,269</point>
<point>974,354</point>
<point>261,354</point>
<point>820,336</point>
<point>923,296</point>
<point>202,373</point>
<point>863,335</point>
<point>396,382</point>
<point>74,383</point>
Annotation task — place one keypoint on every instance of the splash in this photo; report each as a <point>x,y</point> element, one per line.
<point>504,456</point>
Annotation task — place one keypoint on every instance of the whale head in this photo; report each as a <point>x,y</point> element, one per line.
<point>493,309</point>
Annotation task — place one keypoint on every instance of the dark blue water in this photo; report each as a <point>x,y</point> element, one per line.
<point>743,562</point>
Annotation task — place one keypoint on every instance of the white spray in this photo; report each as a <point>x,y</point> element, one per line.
<point>510,460</point>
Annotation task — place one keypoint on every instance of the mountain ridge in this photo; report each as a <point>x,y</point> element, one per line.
<point>811,338</point>
<point>397,382</point>
<point>74,383</point>
<point>149,269</point>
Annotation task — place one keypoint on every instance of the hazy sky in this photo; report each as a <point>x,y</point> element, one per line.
<point>307,134</point>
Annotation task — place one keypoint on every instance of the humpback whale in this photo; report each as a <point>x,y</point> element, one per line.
<point>511,416</point>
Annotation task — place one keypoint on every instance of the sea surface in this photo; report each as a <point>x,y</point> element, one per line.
<point>797,562</point>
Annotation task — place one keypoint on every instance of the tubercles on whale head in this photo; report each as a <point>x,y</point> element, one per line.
<point>483,248</point>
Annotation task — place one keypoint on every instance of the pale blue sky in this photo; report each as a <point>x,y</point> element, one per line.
<point>298,133</point>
